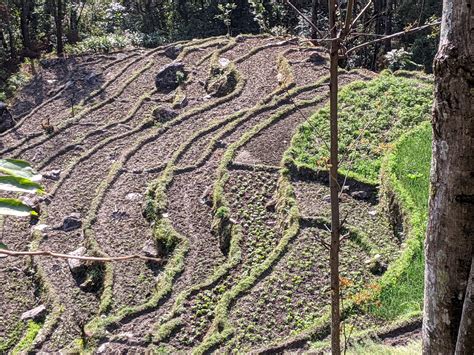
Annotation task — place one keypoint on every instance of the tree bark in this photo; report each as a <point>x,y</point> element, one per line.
<point>59,28</point>
<point>334,251</point>
<point>450,235</point>
<point>314,18</point>
<point>24,24</point>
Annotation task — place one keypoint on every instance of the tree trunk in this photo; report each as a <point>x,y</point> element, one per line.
<point>59,28</point>
<point>388,26</point>
<point>450,236</point>
<point>314,18</point>
<point>334,252</point>
<point>24,27</point>
<point>73,24</point>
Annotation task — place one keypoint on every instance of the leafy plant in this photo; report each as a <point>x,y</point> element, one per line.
<point>225,14</point>
<point>17,176</point>
<point>400,59</point>
<point>259,14</point>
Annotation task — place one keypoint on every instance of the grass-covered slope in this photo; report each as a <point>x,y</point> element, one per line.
<point>371,116</point>
<point>405,174</point>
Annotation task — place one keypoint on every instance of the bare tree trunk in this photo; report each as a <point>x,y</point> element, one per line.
<point>450,236</point>
<point>314,18</point>
<point>24,24</point>
<point>59,28</point>
<point>334,252</point>
<point>388,25</point>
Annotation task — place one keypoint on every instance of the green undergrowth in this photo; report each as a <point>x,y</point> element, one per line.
<point>32,329</point>
<point>405,176</point>
<point>372,114</point>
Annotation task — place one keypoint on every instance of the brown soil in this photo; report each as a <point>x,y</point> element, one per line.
<point>108,155</point>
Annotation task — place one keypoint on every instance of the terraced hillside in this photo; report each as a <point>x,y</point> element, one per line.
<point>192,178</point>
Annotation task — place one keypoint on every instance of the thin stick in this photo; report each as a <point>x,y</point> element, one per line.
<point>304,17</point>
<point>360,14</point>
<point>401,33</point>
<point>4,253</point>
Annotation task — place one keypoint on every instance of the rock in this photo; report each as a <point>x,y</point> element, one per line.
<point>91,78</point>
<point>71,222</point>
<point>327,198</point>
<point>206,197</point>
<point>376,265</point>
<point>360,195</point>
<point>316,58</point>
<point>163,114</point>
<point>52,175</point>
<point>133,196</point>
<point>150,250</point>
<point>167,78</point>
<point>224,62</point>
<point>172,52</point>
<point>271,205</point>
<point>240,39</point>
<point>221,144</point>
<point>6,119</point>
<point>77,266</point>
<point>34,313</point>
<point>373,213</point>
<point>42,228</point>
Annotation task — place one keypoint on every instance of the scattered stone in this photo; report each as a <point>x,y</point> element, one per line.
<point>240,39</point>
<point>150,250</point>
<point>373,213</point>
<point>52,175</point>
<point>345,188</point>
<point>376,265</point>
<point>133,196</point>
<point>224,62</point>
<point>206,197</point>
<point>103,348</point>
<point>271,205</point>
<point>91,78</point>
<point>207,97</point>
<point>42,228</point>
<point>360,195</point>
<point>77,266</point>
<point>71,222</point>
<point>316,58</point>
<point>172,52</point>
<point>221,144</point>
<point>6,118</point>
<point>163,114</point>
<point>167,78</point>
<point>34,313</point>
<point>327,198</point>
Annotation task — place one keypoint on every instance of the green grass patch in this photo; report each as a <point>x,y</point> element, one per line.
<point>372,114</point>
<point>405,173</point>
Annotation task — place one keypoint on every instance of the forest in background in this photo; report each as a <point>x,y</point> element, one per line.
<point>30,29</point>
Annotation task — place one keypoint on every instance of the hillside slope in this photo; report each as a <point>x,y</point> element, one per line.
<point>190,176</point>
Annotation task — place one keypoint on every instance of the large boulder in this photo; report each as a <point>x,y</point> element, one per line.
<point>170,76</point>
<point>6,119</point>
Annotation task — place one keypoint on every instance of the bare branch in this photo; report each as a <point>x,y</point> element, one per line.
<point>7,253</point>
<point>398,34</point>
<point>360,14</point>
<point>347,25</point>
<point>305,18</point>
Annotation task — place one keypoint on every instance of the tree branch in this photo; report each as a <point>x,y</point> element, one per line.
<point>6,253</point>
<point>304,17</point>
<point>398,34</point>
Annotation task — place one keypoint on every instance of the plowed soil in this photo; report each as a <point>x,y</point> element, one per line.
<point>108,150</point>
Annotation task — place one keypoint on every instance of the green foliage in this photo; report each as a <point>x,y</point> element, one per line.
<point>400,59</point>
<point>371,348</point>
<point>18,176</point>
<point>97,44</point>
<point>371,116</point>
<point>406,173</point>
<point>32,330</point>
<point>225,14</point>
